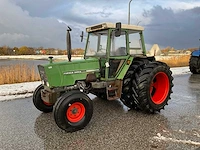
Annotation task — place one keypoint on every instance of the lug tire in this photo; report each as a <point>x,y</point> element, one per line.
<point>39,103</point>
<point>194,64</point>
<point>152,86</point>
<point>128,96</point>
<point>73,111</point>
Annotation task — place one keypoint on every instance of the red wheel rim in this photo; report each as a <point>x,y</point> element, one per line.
<point>47,104</point>
<point>159,88</point>
<point>75,112</point>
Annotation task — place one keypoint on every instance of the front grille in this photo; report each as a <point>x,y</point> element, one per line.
<point>42,73</point>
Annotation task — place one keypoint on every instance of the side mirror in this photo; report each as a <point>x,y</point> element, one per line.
<point>81,36</point>
<point>118,29</point>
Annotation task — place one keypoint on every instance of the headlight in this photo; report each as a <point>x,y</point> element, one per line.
<point>43,75</point>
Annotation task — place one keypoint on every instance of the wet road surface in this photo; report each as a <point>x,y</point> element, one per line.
<point>112,126</point>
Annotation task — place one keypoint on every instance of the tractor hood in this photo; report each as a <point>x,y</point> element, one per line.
<point>67,73</point>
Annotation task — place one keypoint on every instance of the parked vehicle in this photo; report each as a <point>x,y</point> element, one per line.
<point>194,62</point>
<point>115,66</point>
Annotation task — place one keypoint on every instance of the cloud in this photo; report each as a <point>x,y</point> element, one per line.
<point>102,13</point>
<point>15,38</point>
<point>181,4</point>
<point>40,22</point>
<point>169,28</point>
<point>40,8</point>
<point>18,28</point>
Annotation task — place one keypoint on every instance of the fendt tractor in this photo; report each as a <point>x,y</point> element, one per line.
<point>115,67</point>
<point>194,63</point>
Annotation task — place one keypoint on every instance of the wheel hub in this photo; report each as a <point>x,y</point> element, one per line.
<point>75,112</point>
<point>159,88</point>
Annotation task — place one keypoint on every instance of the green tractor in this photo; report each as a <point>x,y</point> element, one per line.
<point>115,66</point>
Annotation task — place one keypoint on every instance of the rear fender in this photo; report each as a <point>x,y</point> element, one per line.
<point>125,69</point>
<point>196,53</point>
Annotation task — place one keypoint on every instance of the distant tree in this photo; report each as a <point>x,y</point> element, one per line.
<point>1,51</point>
<point>5,50</point>
<point>61,52</point>
<point>40,48</point>
<point>23,50</point>
<point>166,50</point>
<point>192,49</point>
<point>31,51</point>
<point>9,51</point>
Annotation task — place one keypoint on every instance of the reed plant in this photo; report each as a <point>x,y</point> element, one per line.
<point>175,61</point>
<point>18,73</point>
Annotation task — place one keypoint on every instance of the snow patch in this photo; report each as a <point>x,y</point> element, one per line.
<point>159,137</point>
<point>12,97</point>
<point>18,90</point>
<point>181,131</point>
<point>198,117</point>
<point>180,70</point>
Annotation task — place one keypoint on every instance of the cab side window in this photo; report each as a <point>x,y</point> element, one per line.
<point>135,44</point>
<point>118,45</point>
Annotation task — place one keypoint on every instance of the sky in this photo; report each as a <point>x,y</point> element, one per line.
<point>36,23</point>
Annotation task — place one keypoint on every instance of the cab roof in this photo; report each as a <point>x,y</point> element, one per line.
<point>107,25</point>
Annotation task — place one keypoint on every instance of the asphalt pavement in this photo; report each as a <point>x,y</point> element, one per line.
<point>112,126</point>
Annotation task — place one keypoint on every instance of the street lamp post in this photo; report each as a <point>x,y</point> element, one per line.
<point>129,7</point>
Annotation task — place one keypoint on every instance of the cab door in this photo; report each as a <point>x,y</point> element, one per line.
<point>118,53</point>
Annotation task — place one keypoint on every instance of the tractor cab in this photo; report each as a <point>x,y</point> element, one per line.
<point>113,44</point>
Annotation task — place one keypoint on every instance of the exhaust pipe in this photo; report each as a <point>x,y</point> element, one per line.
<point>68,42</point>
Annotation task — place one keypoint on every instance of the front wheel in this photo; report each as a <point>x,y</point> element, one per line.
<point>194,64</point>
<point>153,86</point>
<point>73,111</point>
<point>39,103</point>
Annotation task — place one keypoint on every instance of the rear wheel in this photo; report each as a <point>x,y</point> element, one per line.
<point>39,103</point>
<point>73,111</point>
<point>152,86</point>
<point>129,97</point>
<point>194,64</point>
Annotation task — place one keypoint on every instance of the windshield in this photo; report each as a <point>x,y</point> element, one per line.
<point>96,44</point>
